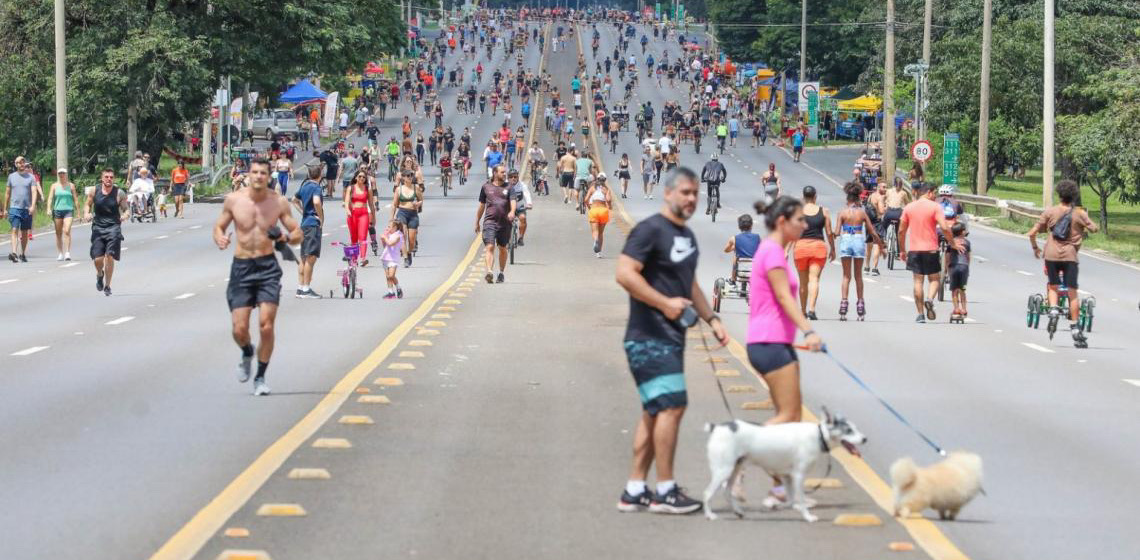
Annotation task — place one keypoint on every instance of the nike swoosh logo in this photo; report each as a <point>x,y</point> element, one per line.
<point>678,255</point>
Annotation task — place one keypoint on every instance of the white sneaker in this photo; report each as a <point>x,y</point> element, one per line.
<point>260,388</point>
<point>60,257</point>
<point>598,255</point>
<point>67,256</point>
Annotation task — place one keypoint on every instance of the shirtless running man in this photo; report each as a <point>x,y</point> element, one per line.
<point>566,167</point>
<point>255,276</point>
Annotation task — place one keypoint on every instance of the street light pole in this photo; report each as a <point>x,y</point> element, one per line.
<point>1049,124</point>
<point>983,175</point>
<point>60,88</point>
<point>803,40</point>
<point>926,24</point>
<point>888,145</point>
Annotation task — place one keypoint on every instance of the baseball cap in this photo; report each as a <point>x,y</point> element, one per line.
<point>61,170</point>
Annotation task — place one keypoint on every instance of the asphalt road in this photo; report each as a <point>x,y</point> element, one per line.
<point>121,419</point>
<point>1043,415</point>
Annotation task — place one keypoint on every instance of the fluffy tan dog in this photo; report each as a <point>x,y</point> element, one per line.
<point>945,486</point>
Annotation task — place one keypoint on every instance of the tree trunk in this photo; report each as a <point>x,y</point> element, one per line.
<point>1104,211</point>
<point>132,131</point>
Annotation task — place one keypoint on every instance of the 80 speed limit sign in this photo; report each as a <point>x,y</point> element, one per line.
<point>921,151</point>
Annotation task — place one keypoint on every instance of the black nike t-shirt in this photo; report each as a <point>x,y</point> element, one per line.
<point>668,254</point>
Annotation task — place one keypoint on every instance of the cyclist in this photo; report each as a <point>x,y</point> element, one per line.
<point>520,192</point>
<point>721,135</point>
<point>393,149</point>
<point>951,210</point>
<point>713,174</point>
<point>445,170</point>
<point>583,173</point>
<point>743,245</point>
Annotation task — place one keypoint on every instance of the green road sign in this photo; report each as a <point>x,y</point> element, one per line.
<point>950,151</point>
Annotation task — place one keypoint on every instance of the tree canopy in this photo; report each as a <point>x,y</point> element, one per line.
<point>166,58</point>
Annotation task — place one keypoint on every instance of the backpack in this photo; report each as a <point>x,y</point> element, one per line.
<point>948,210</point>
<point>1063,226</point>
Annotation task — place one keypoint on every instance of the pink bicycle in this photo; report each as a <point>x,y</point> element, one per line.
<point>348,275</point>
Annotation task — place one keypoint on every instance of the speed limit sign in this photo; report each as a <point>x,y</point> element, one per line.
<point>921,151</point>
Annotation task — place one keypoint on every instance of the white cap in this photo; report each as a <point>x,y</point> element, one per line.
<point>61,170</point>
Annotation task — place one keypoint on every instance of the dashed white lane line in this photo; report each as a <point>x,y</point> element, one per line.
<point>30,351</point>
<point>1037,347</point>
<point>325,234</point>
<point>1135,382</point>
<point>69,265</point>
<point>185,295</point>
<point>907,298</point>
<point>162,237</point>
<point>79,333</point>
<point>9,280</point>
<point>120,320</point>
<point>980,259</point>
<point>195,227</point>
<point>1024,273</point>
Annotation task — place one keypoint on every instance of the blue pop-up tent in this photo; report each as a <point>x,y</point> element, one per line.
<point>303,92</point>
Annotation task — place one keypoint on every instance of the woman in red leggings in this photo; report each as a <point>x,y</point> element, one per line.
<point>360,207</point>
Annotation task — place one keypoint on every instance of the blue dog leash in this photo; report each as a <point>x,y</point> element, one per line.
<point>885,404</point>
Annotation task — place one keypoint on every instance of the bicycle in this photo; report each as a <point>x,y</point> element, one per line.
<point>514,242</point>
<point>464,166</point>
<point>445,179</point>
<point>348,275</point>
<point>720,144</point>
<point>714,199</point>
<point>392,167</point>
<point>892,245</point>
<point>613,142</point>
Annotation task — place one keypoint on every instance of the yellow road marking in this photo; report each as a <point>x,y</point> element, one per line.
<point>236,532</point>
<point>727,373</point>
<point>418,342</point>
<point>411,354</point>
<point>244,555</point>
<point>452,301</point>
<point>757,405</point>
<point>900,546</point>
<point>435,324</point>
<point>925,532</point>
<point>332,443</point>
<point>363,390</point>
<point>373,399</point>
<point>714,360</point>
<point>355,419</point>
<point>401,366</point>
<point>206,523</point>
<point>858,520</point>
<point>457,294</point>
<point>309,474</point>
<point>740,389</point>
<point>281,510</point>
<point>441,316</point>
<point>389,381</point>
<point>823,483</point>
<point>445,308</point>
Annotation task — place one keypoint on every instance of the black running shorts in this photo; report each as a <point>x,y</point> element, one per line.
<point>254,281</point>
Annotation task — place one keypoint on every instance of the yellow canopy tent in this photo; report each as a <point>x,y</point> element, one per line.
<point>864,103</point>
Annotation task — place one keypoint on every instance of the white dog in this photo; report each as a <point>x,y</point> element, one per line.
<point>944,486</point>
<point>786,451</point>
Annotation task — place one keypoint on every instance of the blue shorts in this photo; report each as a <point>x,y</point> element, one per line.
<point>852,245</point>
<point>20,218</point>
<point>658,370</point>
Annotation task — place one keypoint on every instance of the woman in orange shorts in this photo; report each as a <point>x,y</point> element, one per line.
<point>600,201</point>
<point>812,251</point>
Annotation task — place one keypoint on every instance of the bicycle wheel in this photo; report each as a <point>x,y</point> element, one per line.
<point>892,247</point>
<point>714,202</point>
<point>718,294</point>
<point>514,241</point>
<point>352,283</point>
<point>1087,307</point>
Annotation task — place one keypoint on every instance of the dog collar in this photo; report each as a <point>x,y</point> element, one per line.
<point>823,441</point>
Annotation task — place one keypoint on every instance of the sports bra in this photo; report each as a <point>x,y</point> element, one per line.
<point>359,197</point>
<point>402,198</point>
<point>599,195</point>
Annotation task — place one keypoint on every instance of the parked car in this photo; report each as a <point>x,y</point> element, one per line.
<point>277,121</point>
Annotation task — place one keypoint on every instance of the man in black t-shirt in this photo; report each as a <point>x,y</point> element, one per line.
<point>658,267</point>
<point>332,166</point>
<point>494,217</point>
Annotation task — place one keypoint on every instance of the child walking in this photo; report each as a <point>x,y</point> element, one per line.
<point>959,269</point>
<point>393,240</point>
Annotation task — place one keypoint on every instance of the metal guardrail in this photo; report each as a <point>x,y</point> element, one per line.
<point>1005,207</point>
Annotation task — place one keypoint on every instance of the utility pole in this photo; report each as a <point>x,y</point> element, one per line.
<point>926,24</point>
<point>983,175</point>
<point>803,41</point>
<point>888,145</point>
<point>60,88</point>
<point>1048,117</point>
